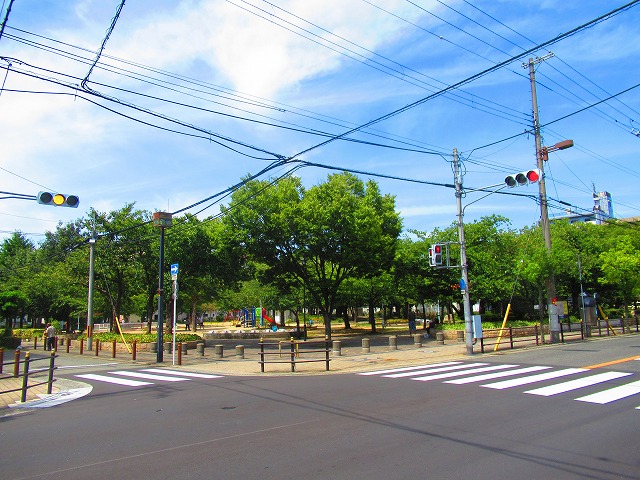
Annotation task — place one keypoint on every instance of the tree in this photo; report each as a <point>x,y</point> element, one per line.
<point>321,236</point>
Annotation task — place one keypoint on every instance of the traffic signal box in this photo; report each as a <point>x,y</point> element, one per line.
<point>58,199</point>
<point>436,255</point>
<point>523,178</point>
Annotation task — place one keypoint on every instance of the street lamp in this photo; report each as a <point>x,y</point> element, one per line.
<point>542,154</point>
<point>161,220</point>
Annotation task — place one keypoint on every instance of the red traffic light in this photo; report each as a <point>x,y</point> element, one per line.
<point>522,178</point>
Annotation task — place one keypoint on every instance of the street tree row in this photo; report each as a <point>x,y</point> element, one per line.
<point>333,247</point>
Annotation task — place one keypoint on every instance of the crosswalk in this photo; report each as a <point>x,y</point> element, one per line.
<point>507,376</point>
<point>148,376</point>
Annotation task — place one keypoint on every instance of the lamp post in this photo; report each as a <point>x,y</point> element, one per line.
<point>542,154</point>
<point>161,220</point>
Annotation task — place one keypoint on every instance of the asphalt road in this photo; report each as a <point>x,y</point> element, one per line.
<point>344,426</point>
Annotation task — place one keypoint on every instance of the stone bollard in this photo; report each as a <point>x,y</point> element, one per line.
<point>200,348</point>
<point>366,345</point>
<point>337,348</point>
<point>417,340</point>
<point>239,351</point>
<point>460,335</point>
<point>393,342</point>
<point>153,347</point>
<point>167,347</point>
<point>219,351</point>
<point>184,348</point>
<point>440,338</point>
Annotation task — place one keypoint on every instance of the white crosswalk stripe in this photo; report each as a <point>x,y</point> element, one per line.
<point>516,382</point>
<point>483,372</point>
<point>576,384</point>
<point>434,370</point>
<point>148,376</point>
<point>613,394</point>
<point>438,376</point>
<point>116,380</point>
<point>491,376</point>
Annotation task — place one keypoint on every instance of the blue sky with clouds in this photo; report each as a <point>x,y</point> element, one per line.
<point>189,97</point>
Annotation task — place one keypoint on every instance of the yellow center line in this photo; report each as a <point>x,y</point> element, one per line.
<point>613,362</point>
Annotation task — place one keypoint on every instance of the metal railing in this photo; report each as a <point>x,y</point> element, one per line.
<point>28,372</point>
<point>498,337</point>
<point>291,353</point>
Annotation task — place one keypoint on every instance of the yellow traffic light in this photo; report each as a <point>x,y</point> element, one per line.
<point>58,199</point>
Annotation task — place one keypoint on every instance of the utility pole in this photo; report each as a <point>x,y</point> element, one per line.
<point>554,324</point>
<point>468,325</point>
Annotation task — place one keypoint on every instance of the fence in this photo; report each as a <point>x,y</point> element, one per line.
<point>498,337</point>
<point>293,352</point>
<point>27,372</point>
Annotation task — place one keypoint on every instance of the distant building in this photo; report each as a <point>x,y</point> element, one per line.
<point>602,211</point>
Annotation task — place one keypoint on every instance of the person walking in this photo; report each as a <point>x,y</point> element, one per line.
<point>412,320</point>
<point>50,334</point>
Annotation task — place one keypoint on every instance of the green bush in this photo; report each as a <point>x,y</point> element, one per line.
<point>28,333</point>
<point>141,338</point>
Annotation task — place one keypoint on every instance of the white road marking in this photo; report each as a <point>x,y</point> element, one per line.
<point>434,370</point>
<point>438,376</point>
<point>612,394</point>
<point>181,374</point>
<point>516,382</point>
<point>490,376</point>
<point>148,376</point>
<point>118,381</point>
<point>576,384</point>
<point>406,369</point>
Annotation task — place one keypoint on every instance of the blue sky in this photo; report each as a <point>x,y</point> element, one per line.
<point>240,79</point>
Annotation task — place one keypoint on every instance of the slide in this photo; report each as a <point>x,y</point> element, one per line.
<point>267,317</point>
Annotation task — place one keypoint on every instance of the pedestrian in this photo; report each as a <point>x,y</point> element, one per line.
<point>412,320</point>
<point>50,334</point>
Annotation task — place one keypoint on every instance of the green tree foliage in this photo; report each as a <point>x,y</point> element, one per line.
<point>319,237</point>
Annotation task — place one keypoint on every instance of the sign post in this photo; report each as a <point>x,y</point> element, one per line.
<point>174,277</point>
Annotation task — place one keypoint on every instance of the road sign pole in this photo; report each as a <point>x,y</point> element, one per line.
<point>175,302</point>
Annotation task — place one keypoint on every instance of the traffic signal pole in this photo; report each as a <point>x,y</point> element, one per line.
<point>468,325</point>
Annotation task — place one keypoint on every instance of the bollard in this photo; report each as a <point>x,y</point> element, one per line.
<point>184,348</point>
<point>97,346</point>
<point>179,353</point>
<point>68,344</point>
<point>219,351</point>
<point>25,378</point>
<point>61,341</point>
<point>81,345</point>
<point>167,347</point>
<point>200,348</point>
<point>366,346</point>
<point>417,340</point>
<point>460,335</point>
<point>113,349</point>
<point>239,351</point>
<point>134,348</point>
<point>337,348</point>
<point>393,342</point>
<point>16,364</point>
<point>440,338</point>
<point>35,343</point>
<point>153,347</point>
<point>1,359</point>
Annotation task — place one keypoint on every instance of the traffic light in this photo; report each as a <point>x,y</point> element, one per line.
<point>523,178</point>
<point>58,199</point>
<point>435,255</point>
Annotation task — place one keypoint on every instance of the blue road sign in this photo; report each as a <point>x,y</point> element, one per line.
<point>174,269</point>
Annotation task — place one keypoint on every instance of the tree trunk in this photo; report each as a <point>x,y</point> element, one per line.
<point>345,318</point>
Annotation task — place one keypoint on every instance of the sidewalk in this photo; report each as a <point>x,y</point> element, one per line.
<point>351,360</point>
